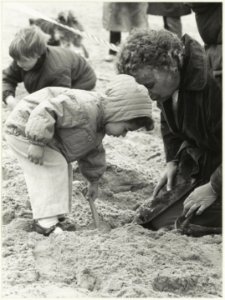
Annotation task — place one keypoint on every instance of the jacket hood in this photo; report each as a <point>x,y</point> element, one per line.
<point>125,100</point>
<point>194,72</point>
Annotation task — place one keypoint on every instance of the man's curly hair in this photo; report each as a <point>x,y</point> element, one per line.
<point>157,48</point>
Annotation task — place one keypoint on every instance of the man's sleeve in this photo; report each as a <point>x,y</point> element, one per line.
<point>216,180</point>
<point>171,142</point>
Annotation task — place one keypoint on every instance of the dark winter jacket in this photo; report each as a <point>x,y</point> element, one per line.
<point>57,67</point>
<point>175,9</point>
<point>209,21</point>
<point>199,111</point>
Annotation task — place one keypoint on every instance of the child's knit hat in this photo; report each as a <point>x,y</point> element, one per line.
<point>125,100</point>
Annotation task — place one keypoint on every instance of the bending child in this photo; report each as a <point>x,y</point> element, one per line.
<point>177,76</point>
<point>39,66</point>
<point>55,126</point>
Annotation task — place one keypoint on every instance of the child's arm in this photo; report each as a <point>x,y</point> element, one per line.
<point>36,154</point>
<point>92,190</point>
<point>10,78</point>
<point>92,168</point>
<point>61,111</point>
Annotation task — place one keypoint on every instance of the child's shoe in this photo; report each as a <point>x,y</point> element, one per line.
<point>47,231</point>
<point>61,218</point>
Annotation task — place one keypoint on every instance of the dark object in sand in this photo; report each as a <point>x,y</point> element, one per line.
<point>167,209</point>
<point>164,200</point>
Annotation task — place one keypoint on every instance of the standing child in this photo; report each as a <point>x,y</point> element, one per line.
<point>55,126</point>
<point>39,66</point>
<point>178,77</point>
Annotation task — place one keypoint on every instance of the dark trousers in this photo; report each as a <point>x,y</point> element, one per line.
<point>114,38</point>
<point>173,24</point>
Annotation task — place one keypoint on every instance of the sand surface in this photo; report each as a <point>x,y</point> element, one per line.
<point>127,261</point>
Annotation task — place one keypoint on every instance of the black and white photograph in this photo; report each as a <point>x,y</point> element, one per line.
<point>111,149</point>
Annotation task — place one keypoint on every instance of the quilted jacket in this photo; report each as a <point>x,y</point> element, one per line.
<point>209,21</point>
<point>78,136</point>
<point>57,67</point>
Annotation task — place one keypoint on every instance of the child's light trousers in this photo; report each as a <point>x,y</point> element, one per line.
<point>49,185</point>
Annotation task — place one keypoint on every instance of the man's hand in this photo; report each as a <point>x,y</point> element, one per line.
<point>167,178</point>
<point>11,102</point>
<point>201,198</point>
<point>36,154</point>
<point>92,190</point>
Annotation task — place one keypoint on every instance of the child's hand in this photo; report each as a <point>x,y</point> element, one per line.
<point>11,102</point>
<point>36,154</point>
<point>92,190</point>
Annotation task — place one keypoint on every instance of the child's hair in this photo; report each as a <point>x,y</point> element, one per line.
<point>145,122</point>
<point>28,42</point>
<point>157,48</point>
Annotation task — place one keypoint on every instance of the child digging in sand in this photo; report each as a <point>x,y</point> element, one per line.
<point>39,66</point>
<point>55,126</point>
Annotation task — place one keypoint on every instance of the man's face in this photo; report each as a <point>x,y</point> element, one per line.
<point>161,84</point>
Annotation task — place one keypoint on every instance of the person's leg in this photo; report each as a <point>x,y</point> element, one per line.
<point>173,24</point>
<point>48,185</point>
<point>114,38</point>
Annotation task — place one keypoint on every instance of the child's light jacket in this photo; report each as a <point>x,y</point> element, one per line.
<point>75,132</point>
